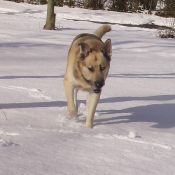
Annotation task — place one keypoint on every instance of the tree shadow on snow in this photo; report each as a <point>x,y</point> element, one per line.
<point>34,105</point>
<point>162,115</point>
<point>16,77</point>
<point>150,76</point>
<point>150,98</point>
<point>27,11</point>
<point>28,45</point>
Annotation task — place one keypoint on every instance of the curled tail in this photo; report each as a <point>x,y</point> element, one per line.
<point>102,30</point>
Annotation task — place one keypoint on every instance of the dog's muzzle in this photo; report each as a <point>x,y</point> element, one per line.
<point>98,85</point>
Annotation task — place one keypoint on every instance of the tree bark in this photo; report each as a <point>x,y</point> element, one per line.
<point>150,8</point>
<point>51,16</point>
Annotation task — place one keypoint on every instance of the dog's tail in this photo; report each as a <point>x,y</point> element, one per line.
<point>102,30</point>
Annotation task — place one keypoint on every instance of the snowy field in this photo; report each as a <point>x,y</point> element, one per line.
<point>134,132</point>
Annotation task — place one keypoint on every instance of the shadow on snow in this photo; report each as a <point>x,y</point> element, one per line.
<point>150,76</point>
<point>16,77</point>
<point>34,105</point>
<point>161,115</point>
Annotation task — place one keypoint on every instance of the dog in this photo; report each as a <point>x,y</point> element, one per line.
<point>87,69</point>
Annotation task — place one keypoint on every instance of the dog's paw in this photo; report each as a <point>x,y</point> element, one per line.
<point>89,125</point>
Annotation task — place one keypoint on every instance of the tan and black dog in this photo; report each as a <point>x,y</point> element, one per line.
<point>87,69</point>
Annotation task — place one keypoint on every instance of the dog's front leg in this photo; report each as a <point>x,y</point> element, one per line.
<point>71,101</point>
<point>92,101</point>
<point>87,103</point>
<point>75,98</point>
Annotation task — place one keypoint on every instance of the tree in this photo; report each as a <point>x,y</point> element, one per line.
<point>94,4</point>
<point>170,8</point>
<point>119,5</point>
<point>150,8</point>
<point>51,16</point>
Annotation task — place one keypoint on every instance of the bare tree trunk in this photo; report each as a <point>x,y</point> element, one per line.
<point>150,8</point>
<point>51,16</point>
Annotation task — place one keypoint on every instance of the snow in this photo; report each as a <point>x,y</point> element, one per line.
<point>135,119</point>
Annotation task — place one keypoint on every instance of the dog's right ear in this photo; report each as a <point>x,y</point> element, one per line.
<point>84,50</point>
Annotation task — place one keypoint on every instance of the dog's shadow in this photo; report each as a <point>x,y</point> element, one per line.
<point>160,115</point>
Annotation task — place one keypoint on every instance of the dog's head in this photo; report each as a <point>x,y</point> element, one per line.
<point>94,64</point>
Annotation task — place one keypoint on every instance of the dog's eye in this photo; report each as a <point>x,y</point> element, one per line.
<point>91,69</point>
<point>102,68</point>
<point>88,81</point>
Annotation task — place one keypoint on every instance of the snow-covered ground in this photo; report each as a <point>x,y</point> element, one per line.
<point>134,132</point>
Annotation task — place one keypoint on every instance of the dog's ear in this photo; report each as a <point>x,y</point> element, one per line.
<point>107,49</point>
<point>84,50</point>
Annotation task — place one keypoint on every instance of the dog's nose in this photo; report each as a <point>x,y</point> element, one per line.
<point>99,84</point>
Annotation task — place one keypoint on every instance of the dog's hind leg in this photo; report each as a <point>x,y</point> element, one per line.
<point>70,93</point>
<point>92,104</point>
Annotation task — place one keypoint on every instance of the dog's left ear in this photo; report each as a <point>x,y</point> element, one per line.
<point>107,49</point>
<point>84,50</point>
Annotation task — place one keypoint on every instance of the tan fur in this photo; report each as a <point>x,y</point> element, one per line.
<point>87,70</point>
<point>102,30</point>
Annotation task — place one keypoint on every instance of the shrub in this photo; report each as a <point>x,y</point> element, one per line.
<point>42,2</point>
<point>168,10</point>
<point>94,4</point>
<point>58,3</point>
<point>118,5</point>
<point>169,32</point>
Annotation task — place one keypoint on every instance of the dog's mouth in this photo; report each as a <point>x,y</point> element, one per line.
<point>97,91</point>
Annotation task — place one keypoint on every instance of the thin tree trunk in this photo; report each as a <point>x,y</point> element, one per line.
<point>150,8</point>
<point>50,21</point>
